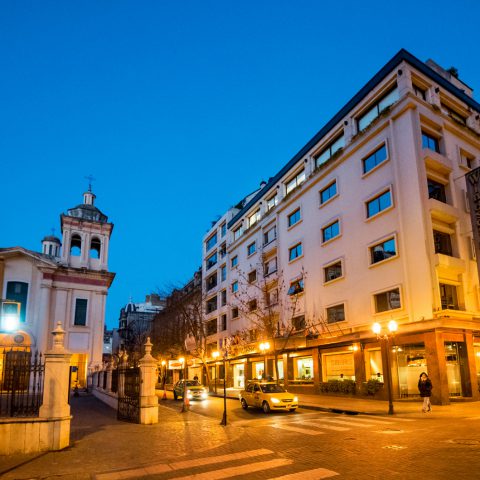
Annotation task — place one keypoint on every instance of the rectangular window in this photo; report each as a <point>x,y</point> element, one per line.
<point>235,287</point>
<point>234,261</point>
<point>270,266</point>
<point>237,233</point>
<point>420,92</point>
<point>80,312</point>
<point>223,230</point>
<point>296,287</point>
<point>211,261</point>
<point>235,312</point>
<point>211,242</point>
<point>252,276</point>
<point>272,298</point>
<point>211,281</point>
<point>328,192</point>
<point>223,297</point>
<point>374,159</point>
<point>458,117</point>
<point>389,300</point>
<point>18,292</point>
<point>336,313</point>
<point>294,217</point>
<point>442,242</point>
<point>269,236</point>
<point>253,218</point>
<point>223,250</point>
<point>223,323</point>
<point>333,271</point>
<point>211,304</point>
<point>430,142</point>
<point>467,159</point>
<point>223,273</point>
<point>382,251</point>
<point>330,150</point>
<point>330,231</point>
<point>297,180</point>
<point>448,295</point>
<point>379,203</point>
<point>252,305</point>
<point>272,202</point>
<point>251,249</point>
<point>373,112</point>
<point>299,323</point>
<point>295,252</point>
<point>436,190</point>
<point>212,327</point>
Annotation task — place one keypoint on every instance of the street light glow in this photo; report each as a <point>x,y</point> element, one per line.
<point>181,360</point>
<point>392,325</point>
<point>215,355</point>
<point>377,328</point>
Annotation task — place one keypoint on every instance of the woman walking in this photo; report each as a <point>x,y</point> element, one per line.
<point>425,389</point>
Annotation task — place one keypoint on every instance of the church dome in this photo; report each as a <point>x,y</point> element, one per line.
<point>52,239</point>
<point>87,212</point>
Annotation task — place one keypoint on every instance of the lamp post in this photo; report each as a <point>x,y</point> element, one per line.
<point>263,348</point>
<point>9,315</point>
<point>224,417</point>
<point>215,355</point>
<point>185,403</point>
<point>164,378</point>
<point>377,330</point>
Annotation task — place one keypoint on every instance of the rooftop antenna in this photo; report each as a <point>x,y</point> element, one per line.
<point>90,179</point>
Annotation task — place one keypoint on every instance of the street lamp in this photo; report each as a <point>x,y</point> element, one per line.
<point>377,330</point>
<point>263,348</point>
<point>215,355</point>
<point>9,315</point>
<point>164,377</point>
<point>185,397</point>
<point>224,418</point>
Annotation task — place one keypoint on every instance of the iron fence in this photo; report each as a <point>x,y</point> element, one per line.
<point>21,383</point>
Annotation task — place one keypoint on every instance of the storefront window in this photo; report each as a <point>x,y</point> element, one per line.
<point>280,369</point>
<point>303,369</point>
<point>411,362</point>
<point>453,369</point>
<point>477,362</point>
<point>258,369</point>
<point>373,364</point>
<point>338,366</point>
<point>239,375</point>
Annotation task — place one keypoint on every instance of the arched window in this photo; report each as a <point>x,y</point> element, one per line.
<point>76,246</point>
<point>95,246</point>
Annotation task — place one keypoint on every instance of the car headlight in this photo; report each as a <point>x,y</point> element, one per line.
<point>204,395</point>
<point>295,399</point>
<point>275,400</point>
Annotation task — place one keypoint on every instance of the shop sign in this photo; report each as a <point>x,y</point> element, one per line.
<point>473,195</point>
<point>340,363</point>
<point>175,365</point>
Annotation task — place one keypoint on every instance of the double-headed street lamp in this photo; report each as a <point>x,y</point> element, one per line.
<point>215,355</point>
<point>385,336</point>
<point>264,347</point>
<point>185,403</point>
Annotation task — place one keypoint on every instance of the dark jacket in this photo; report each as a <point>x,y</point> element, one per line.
<point>425,388</point>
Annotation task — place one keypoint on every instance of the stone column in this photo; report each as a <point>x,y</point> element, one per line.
<point>55,393</point>
<point>109,377</point>
<point>148,377</point>
<point>437,367</point>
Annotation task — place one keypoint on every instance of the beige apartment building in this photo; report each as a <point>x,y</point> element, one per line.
<point>368,223</point>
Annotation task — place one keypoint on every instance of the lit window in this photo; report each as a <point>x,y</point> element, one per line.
<point>333,271</point>
<point>448,296</point>
<point>389,300</point>
<point>382,251</point>
<point>329,150</point>
<point>295,252</point>
<point>18,292</point>
<point>379,203</point>
<point>430,142</point>
<point>297,180</point>
<point>330,231</point>
<point>374,159</point>
<point>234,261</point>
<point>294,217</point>
<point>253,219</point>
<point>328,192</point>
<point>336,313</point>
<point>378,107</point>
<point>251,249</point>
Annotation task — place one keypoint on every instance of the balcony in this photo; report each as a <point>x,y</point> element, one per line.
<point>436,161</point>
<point>443,211</point>
<point>449,267</point>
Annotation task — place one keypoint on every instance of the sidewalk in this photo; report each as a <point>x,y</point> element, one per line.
<point>351,405</point>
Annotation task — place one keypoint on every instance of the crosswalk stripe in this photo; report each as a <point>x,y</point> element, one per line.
<point>239,470</point>
<point>334,428</point>
<point>350,424</point>
<point>297,429</point>
<point>169,467</point>
<point>315,474</point>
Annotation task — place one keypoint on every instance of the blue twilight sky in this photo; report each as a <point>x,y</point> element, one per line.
<point>180,108</point>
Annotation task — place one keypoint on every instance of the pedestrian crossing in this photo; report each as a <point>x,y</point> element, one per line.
<point>220,467</point>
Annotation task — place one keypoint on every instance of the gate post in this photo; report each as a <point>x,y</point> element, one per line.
<point>109,377</point>
<point>56,393</point>
<point>148,379</point>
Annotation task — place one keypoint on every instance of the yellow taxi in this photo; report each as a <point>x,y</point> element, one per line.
<point>268,396</point>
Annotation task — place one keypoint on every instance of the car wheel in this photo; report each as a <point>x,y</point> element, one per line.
<point>244,404</point>
<point>266,407</point>
<point>175,396</point>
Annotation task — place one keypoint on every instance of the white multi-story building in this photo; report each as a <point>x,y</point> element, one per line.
<point>66,284</point>
<point>367,223</point>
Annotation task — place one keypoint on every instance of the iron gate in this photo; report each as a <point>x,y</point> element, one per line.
<point>21,383</point>
<point>128,393</point>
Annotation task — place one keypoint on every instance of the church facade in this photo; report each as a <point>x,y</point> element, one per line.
<point>67,281</point>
